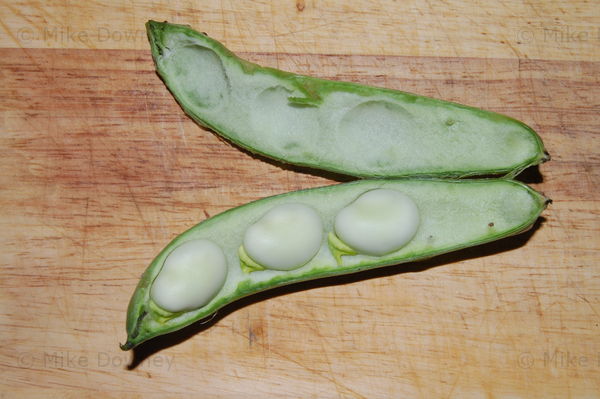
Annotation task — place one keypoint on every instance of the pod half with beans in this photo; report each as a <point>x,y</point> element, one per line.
<point>320,232</point>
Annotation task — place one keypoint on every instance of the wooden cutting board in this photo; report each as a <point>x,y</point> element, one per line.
<point>100,169</point>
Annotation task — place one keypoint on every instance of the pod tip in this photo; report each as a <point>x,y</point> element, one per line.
<point>126,346</point>
<point>546,157</point>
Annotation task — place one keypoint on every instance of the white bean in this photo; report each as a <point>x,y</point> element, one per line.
<point>285,238</point>
<point>378,222</point>
<point>190,277</point>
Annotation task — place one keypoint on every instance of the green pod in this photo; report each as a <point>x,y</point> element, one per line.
<point>342,127</point>
<point>453,214</point>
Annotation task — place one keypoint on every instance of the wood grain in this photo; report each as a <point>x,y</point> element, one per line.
<point>539,29</point>
<point>100,168</point>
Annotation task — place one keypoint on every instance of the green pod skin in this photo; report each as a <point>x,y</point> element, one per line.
<point>454,214</point>
<point>342,127</point>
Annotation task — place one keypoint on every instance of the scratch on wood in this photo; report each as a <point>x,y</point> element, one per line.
<point>85,232</point>
<point>313,371</point>
<point>584,299</point>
